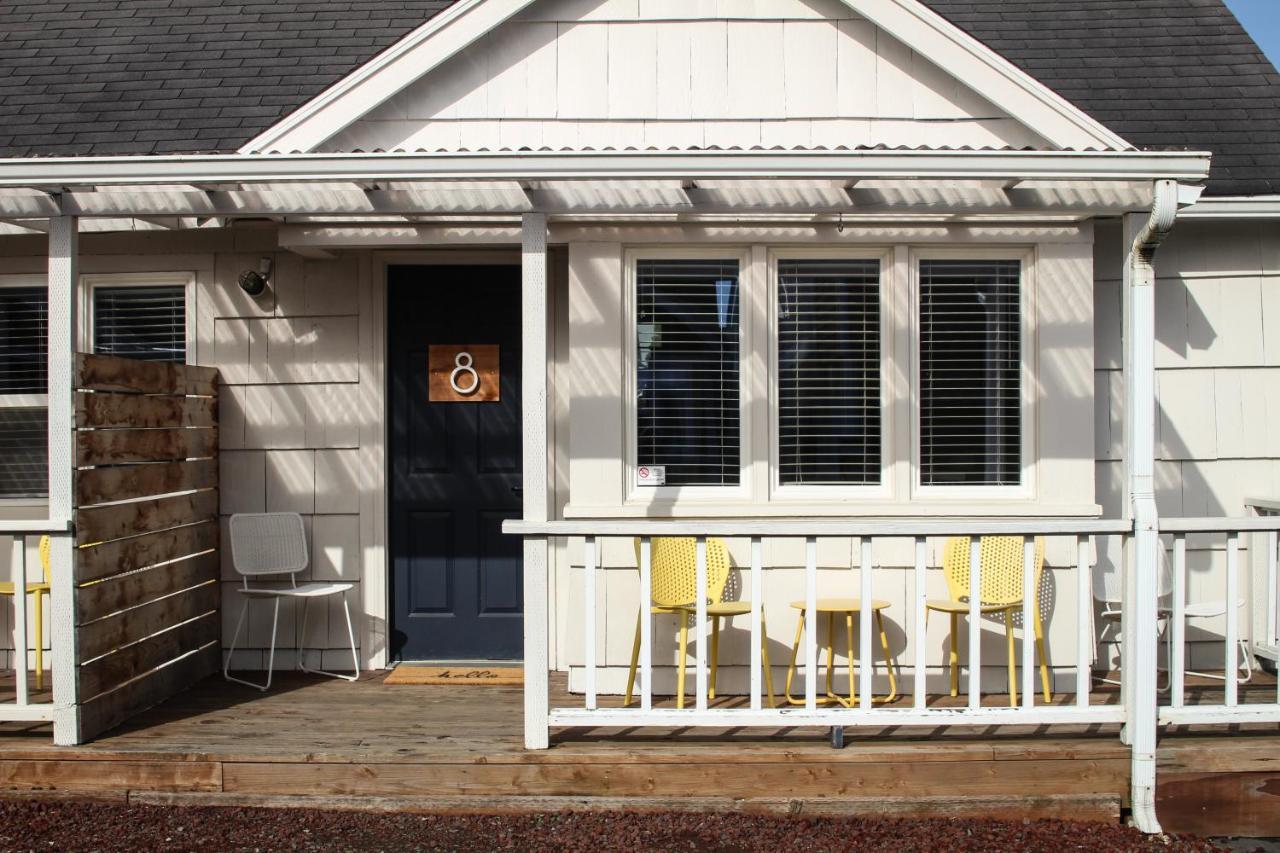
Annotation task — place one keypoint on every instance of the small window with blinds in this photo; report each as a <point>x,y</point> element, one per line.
<point>828,345</point>
<point>970,373</point>
<point>24,334</point>
<point>688,410</point>
<point>147,323</point>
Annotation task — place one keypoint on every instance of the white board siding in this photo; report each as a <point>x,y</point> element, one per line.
<point>291,408</point>
<point>1218,385</point>
<point>535,81</point>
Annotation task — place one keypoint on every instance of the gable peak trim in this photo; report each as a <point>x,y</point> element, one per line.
<point>926,32</point>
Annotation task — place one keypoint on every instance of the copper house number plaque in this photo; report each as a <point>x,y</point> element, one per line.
<point>463,373</point>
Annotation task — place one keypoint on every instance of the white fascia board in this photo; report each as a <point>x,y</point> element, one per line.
<point>205,169</point>
<point>427,47</point>
<point>987,73</point>
<point>1234,207</point>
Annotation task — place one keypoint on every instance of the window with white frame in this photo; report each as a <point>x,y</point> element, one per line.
<point>24,332</point>
<point>828,371</point>
<point>688,408</point>
<point>970,349</point>
<point>829,349</point>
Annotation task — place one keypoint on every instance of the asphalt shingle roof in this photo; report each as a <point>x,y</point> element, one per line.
<point>1178,74</point>
<point>164,76</point>
<point>161,76</point>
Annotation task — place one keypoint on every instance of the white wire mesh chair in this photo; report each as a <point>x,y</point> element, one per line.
<point>275,543</point>
<point>1108,587</point>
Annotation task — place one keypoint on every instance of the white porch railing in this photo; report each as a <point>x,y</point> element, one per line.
<point>20,707</point>
<point>1262,529</point>
<point>919,712</point>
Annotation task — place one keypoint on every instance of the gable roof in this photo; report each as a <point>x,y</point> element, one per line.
<point>162,76</point>
<point>1164,74</point>
<point>907,22</point>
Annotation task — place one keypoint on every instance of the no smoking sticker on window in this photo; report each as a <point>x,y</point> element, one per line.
<point>651,475</point>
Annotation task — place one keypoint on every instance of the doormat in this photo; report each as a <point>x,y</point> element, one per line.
<point>486,675</point>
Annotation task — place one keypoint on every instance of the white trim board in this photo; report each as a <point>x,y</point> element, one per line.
<point>977,66</point>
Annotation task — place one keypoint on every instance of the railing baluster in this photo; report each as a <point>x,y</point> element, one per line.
<point>589,569</point>
<point>1272,604</point>
<point>1178,626</point>
<point>1084,621</point>
<point>646,623</point>
<point>866,652</point>
<point>700,587</point>
<point>19,566</point>
<point>758,637</point>
<point>1029,593</point>
<point>1230,669</point>
<point>918,638</point>
<point>810,623</point>
<point>975,622</point>
<point>1273,600</point>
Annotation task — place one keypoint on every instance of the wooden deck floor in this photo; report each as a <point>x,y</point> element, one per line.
<point>369,745</point>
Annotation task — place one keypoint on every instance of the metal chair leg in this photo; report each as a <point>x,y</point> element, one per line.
<point>226,667</point>
<point>355,658</point>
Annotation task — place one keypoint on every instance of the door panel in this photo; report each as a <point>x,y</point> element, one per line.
<point>454,469</point>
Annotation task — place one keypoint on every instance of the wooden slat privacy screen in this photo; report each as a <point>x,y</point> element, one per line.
<point>146,524</point>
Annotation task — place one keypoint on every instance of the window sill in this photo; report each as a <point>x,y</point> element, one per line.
<point>869,509</point>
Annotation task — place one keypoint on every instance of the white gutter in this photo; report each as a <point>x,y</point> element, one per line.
<point>1235,207</point>
<point>203,169</point>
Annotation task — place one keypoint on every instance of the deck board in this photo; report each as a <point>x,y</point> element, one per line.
<point>322,742</point>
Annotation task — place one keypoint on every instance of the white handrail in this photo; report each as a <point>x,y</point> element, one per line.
<point>846,528</point>
<point>34,527</point>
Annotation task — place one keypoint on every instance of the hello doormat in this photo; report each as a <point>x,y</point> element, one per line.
<point>487,675</point>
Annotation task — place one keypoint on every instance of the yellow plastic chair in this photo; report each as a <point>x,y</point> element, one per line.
<point>1001,593</point>
<point>39,590</point>
<point>673,581</point>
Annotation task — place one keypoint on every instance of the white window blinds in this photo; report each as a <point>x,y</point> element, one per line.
<point>828,315</point>
<point>970,369</point>
<point>147,323</point>
<point>24,333</point>
<point>687,373</point>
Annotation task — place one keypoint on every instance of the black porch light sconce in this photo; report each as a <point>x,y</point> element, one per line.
<point>254,282</point>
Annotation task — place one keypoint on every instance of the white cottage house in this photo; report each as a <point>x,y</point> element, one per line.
<point>828,281</point>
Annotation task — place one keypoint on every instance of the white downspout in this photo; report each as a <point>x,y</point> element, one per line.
<point>1138,668</point>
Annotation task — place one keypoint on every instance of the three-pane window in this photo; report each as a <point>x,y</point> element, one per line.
<point>828,405</point>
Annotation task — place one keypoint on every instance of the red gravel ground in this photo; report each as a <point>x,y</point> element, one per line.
<point>32,825</point>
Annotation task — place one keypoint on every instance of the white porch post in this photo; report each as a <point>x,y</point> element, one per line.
<point>61,324</point>
<point>533,299</point>
<point>1142,236</point>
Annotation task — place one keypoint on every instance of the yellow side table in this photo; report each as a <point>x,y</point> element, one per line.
<point>847,606</point>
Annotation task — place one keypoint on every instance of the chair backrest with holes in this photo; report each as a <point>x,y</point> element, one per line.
<point>45,546</point>
<point>673,569</point>
<point>1001,558</point>
<point>1108,577</point>
<point>268,543</point>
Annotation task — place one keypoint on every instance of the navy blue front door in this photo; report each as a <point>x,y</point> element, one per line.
<point>454,469</point>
